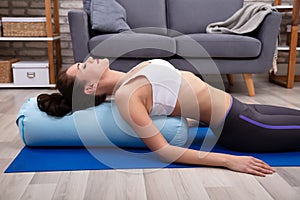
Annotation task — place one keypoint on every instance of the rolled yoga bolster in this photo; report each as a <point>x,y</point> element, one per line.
<point>100,126</point>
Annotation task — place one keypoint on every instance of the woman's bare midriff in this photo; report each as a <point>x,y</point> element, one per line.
<point>199,101</point>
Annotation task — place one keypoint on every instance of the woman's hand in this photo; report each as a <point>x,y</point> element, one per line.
<point>250,165</point>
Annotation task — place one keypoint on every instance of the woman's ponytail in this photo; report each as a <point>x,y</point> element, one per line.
<point>58,104</point>
<point>53,104</point>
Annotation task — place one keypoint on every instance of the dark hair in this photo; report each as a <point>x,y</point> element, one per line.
<point>62,103</point>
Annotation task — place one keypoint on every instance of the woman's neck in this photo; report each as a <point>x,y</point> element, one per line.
<point>108,81</point>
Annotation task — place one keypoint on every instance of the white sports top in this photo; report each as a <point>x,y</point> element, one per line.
<point>165,81</point>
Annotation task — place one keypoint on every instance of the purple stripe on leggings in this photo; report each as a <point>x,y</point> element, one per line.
<point>268,126</point>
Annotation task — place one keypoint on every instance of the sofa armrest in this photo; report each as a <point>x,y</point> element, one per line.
<point>268,35</point>
<point>78,22</point>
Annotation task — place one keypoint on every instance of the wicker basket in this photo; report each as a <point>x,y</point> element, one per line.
<point>24,27</point>
<point>6,75</point>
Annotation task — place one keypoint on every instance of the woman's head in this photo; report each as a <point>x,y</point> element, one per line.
<point>78,89</point>
<point>90,70</point>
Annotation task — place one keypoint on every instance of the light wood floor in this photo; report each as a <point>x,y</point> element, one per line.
<point>195,183</point>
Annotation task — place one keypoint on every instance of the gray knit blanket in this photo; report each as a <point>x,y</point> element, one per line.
<point>245,20</point>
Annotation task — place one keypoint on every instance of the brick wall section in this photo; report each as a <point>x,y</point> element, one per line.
<point>38,50</point>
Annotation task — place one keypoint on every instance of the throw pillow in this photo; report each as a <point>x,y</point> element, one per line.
<point>108,16</point>
<point>87,6</point>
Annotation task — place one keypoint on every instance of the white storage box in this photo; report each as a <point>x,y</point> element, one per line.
<point>31,73</point>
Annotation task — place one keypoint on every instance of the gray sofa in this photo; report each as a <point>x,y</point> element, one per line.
<point>175,30</point>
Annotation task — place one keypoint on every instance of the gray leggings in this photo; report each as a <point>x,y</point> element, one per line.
<point>261,128</point>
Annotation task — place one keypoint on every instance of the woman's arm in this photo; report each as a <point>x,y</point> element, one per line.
<point>134,111</point>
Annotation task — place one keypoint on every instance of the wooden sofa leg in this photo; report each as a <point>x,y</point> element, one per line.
<point>249,83</point>
<point>230,79</point>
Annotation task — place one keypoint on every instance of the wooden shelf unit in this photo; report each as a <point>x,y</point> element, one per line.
<point>53,43</point>
<point>289,79</point>
<point>32,39</point>
<point>11,85</point>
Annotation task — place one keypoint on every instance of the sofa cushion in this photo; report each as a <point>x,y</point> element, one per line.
<point>132,45</point>
<point>146,13</point>
<point>192,16</point>
<point>217,46</point>
<point>108,16</point>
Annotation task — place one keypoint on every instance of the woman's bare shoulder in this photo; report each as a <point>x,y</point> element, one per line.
<point>126,91</point>
<point>136,87</point>
<point>136,92</point>
<point>131,73</point>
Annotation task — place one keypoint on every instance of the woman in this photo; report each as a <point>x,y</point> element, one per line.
<point>155,87</point>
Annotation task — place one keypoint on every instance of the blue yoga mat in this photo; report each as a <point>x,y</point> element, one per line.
<point>68,159</point>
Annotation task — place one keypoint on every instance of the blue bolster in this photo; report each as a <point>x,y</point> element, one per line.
<point>100,126</point>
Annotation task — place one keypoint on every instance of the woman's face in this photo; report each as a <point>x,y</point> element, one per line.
<point>91,70</point>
